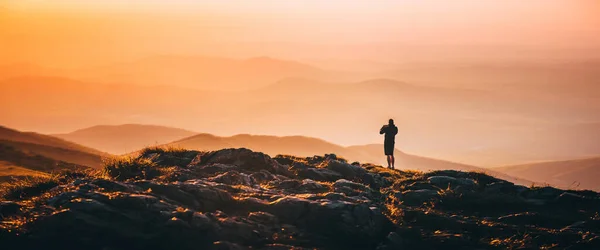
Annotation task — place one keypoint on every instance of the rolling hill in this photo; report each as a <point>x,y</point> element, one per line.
<point>576,174</point>
<point>11,135</point>
<point>121,139</point>
<point>25,160</point>
<point>307,146</point>
<point>26,154</point>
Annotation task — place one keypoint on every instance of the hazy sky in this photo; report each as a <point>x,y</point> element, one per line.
<point>74,32</point>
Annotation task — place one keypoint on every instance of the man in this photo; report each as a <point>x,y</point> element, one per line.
<point>390,130</point>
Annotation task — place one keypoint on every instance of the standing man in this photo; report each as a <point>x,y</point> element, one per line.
<point>390,130</point>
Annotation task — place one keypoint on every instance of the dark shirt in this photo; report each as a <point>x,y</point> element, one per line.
<point>390,132</point>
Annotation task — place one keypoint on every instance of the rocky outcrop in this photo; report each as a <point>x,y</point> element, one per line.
<point>239,199</point>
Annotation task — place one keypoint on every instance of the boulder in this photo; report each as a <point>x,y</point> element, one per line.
<point>500,187</point>
<point>417,197</point>
<point>245,159</point>
<point>233,178</point>
<point>347,171</point>
<point>319,174</point>
<point>9,208</point>
<point>444,182</point>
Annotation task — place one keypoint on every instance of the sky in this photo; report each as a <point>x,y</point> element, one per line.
<point>135,44</point>
<point>68,33</point>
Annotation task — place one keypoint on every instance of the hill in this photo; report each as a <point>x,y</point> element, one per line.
<point>24,153</point>
<point>307,146</point>
<point>461,125</point>
<point>8,134</point>
<point>579,174</point>
<point>23,160</point>
<point>240,199</point>
<point>121,139</point>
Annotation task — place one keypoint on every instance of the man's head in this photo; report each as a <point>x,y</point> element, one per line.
<point>391,122</point>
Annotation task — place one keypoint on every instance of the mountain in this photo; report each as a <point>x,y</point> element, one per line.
<point>66,104</point>
<point>307,146</point>
<point>200,72</point>
<point>241,199</point>
<point>27,69</point>
<point>475,127</point>
<point>12,135</point>
<point>20,160</point>
<point>576,174</point>
<point>45,153</point>
<point>121,139</point>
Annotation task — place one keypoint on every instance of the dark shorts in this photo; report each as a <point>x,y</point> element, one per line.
<point>388,147</point>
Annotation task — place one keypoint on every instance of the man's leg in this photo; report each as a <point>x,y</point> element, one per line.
<point>389,161</point>
<point>392,160</point>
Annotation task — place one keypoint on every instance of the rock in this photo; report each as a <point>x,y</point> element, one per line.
<point>239,199</point>
<point>176,222</point>
<point>201,221</point>
<point>417,197</point>
<point>444,182</point>
<point>395,239</point>
<point>546,193</point>
<point>350,188</point>
<point>233,178</point>
<point>291,184</point>
<point>263,218</point>
<point>421,185</point>
<point>500,187</point>
<point>310,186</point>
<point>224,245</point>
<point>347,171</point>
<point>289,209</point>
<point>9,208</point>
<point>87,205</point>
<point>245,159</point>
<point>319,174</point>
<point>263,177</point>
<point>281,247</point>
<point>577,200</point>
<point>209,170</point>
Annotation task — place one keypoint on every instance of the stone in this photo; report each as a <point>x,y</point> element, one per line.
<point>444,182</point>
<point>417,197</point>
<point>9,208</point>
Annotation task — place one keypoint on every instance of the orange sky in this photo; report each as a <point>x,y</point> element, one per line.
<point>74,33</point>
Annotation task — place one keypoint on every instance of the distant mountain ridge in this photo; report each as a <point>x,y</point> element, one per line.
<point>462,125</point>
<point>121,139</point>
<point>9,134</point>
<point>27,153</point>
<point>200,72</point>
<point>575,174</point>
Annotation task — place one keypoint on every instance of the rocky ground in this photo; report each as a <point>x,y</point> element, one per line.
<point>239,199</point>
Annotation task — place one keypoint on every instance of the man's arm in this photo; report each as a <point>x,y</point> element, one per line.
<point>382,130</point>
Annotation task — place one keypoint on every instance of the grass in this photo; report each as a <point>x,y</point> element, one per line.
<point>163,149</point>
<point>126,168</point>
<point>28,187</point>
<point>9,171</point>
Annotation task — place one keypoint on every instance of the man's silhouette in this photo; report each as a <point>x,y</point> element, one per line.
<point>390,130</point>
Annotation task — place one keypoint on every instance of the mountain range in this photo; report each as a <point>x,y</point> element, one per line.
<point>462,125</point>
<point>121,139</point>
<point>574,174</point>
